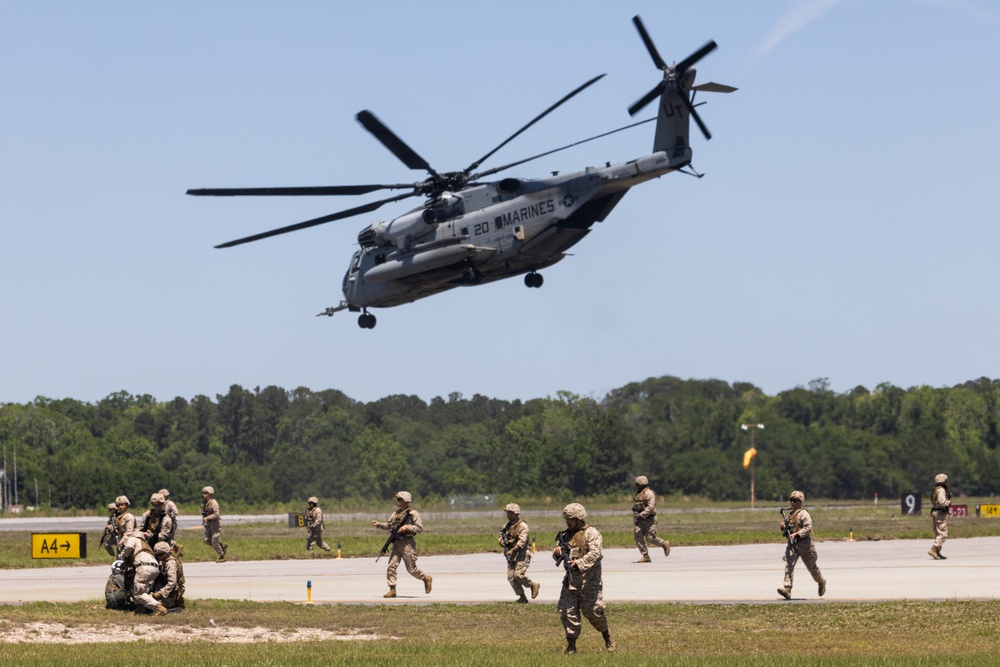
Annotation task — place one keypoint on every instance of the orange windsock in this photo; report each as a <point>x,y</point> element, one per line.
<point>747,456</point>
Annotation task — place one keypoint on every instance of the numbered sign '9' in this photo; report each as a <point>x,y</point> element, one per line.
<point>910,503</point>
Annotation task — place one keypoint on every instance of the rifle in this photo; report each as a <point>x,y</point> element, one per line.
<point>109,530</point>
<point>505,542</point>
<point>787,529</point>
<point>393,535</point>
<point>562,539</point>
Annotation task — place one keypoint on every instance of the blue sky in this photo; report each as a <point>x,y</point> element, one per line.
<point>847,225</point>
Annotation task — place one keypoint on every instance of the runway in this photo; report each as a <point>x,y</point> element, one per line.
<point>855,571</point>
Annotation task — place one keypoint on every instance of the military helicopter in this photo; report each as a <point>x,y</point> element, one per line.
<point>471,231</point>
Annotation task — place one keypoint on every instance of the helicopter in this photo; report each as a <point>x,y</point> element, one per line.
<point>471,231</point>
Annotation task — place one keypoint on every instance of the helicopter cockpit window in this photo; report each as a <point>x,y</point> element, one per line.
<point>380,259</point>
<point>356,263</point>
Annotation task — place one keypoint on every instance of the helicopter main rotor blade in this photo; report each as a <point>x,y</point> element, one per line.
<point>653,53</point>
<point>397,146</point>
<point>357,210</point>
<point>537,118</point>
<point>556,150</point>
<point>647,98</point>
<point>688,62</point>
<point>319,190</point>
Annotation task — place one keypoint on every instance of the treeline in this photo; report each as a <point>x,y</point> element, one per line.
<point>270,445</point>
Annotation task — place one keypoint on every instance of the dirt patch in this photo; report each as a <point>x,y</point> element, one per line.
<point>57,633</point>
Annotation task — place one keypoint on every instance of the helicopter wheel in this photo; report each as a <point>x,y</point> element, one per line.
<point>533,279</point>
<point>366,321</point>
<point>471,275</point>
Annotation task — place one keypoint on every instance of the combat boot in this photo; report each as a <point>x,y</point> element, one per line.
<point>534,589</point>
<point>522,599</point>
<point>666,548</point>
<point>933,553</point>
<point>427,584</point>
<point>644,559</point>
<point>160,610</point>
<point>225,548</point>
<point>609,641</point>
<point>785,593</point>
<point>941,555</point>
<point>822,587</point>
<point>220,559</point>
<point>570,645</point>
<point>391,593</point>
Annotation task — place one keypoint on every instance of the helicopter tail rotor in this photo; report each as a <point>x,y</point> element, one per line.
<point>676,92</point>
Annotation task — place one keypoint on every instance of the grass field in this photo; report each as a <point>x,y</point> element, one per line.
<point>717,524</point>
<point>892,633</point>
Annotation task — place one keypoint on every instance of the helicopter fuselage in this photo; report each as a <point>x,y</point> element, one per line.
<point>491,231</point>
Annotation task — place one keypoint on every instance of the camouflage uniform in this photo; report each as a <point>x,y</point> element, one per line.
<point>211,517</point>
<point>170,582</point>
<point>156,524</point>
<point>170,509</point>
<point>404,547</point>
<point>518,554</point>
<point>800,527</point>
<point>314,524</point>
<point>137,554</point>
<point>124,521</point>
<point>583,588</point>
<point>644,518</point>
<point>939,515</point>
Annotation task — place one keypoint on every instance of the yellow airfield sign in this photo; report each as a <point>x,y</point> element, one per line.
<point>59,545</point>
<point>988,510</point>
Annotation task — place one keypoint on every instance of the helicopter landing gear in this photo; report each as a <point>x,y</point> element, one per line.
<point>366,320</point>
<point>471,275</point>
<point>533,279</point>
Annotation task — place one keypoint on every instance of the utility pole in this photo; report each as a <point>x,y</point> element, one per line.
<point>750,456</point>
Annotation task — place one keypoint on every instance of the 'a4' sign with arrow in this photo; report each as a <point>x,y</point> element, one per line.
<point>59,545</point>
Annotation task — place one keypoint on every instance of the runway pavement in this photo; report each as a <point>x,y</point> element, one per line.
<point>856,571</point>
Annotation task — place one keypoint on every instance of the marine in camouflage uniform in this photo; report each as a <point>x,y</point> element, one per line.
<point>939,515</point>
<point>155,524</point>
<point>124,521</point>
<point>799,526</point>
<point>138,555</point>
<point>579,549</point>
<point>169,586</point>
<point>514,540</point>
<point>211,518</point>
<point>404,547</point>
<point>314,524</point>
<point>644,518</point>
<point>170,508</point>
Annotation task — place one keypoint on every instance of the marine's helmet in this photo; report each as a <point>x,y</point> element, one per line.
<point>512,507</point>
<point>941,479</point>
<point>112,507</point>
<point>164,493</point>
<point>404,496</point>
<point>157,499</point>
<point>797,495</point>
<point>574,511</point>
<point>209,490</point>
<point>122,500</point>
<point>641,481</point>
<point>161,549</point>
<point>312,500</point>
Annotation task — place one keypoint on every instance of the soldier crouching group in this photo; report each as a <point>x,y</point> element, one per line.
<point>147,574</point>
